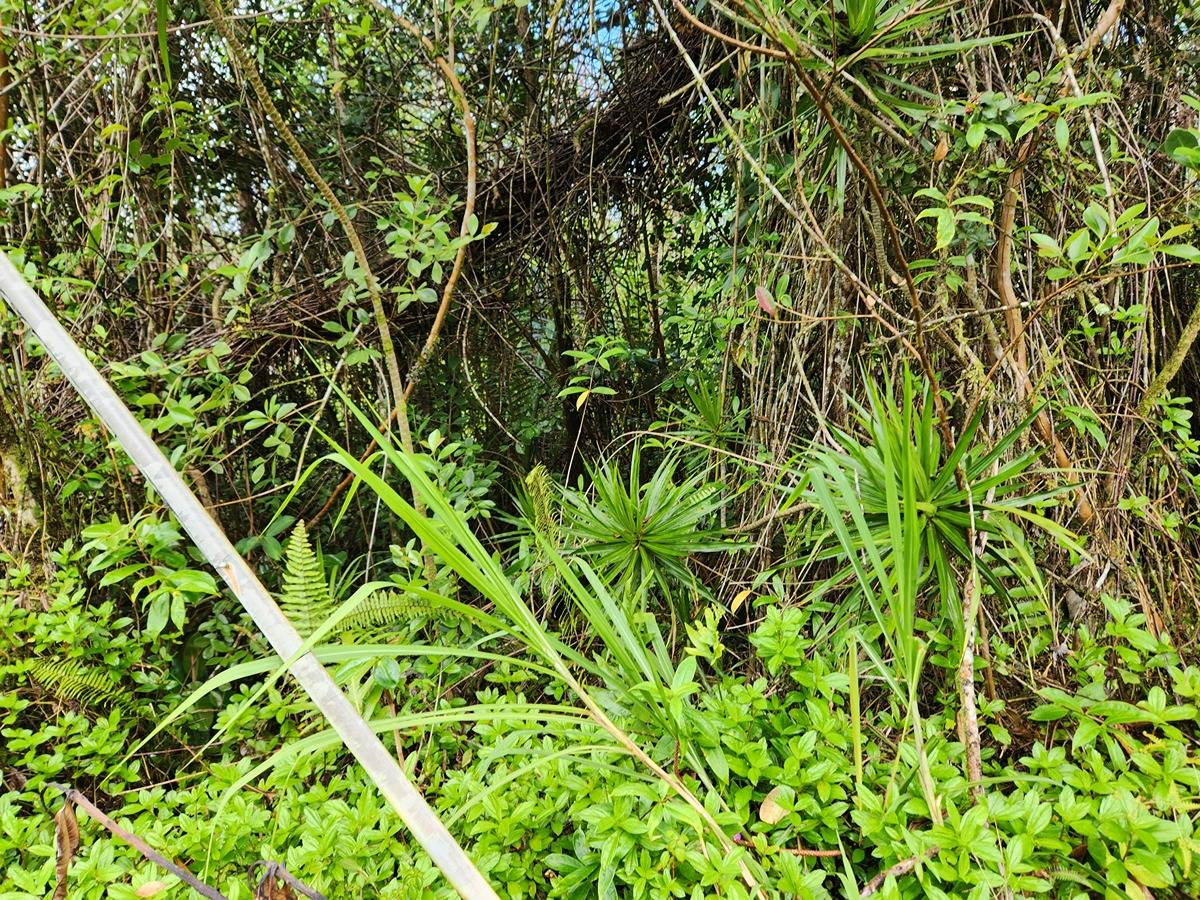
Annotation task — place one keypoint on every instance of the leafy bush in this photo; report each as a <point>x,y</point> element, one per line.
<point>810,770</point>
<point>798,630</point>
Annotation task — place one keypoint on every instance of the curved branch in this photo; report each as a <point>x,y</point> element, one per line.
<point>456,90</point>
<point>1018,360</point>
<point>1104,25</point>
<point>240,60</point>
<point>1017,352</point>
<point>454,86</point>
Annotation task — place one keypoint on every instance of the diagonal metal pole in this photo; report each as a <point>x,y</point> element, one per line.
<point>357,735</point>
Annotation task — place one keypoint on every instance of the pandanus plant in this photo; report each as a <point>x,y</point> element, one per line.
<point>899,508</point>
<point>903,516</point>
<point>638,530</point>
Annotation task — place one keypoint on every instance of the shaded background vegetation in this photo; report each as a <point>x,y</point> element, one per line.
<point>708,242</point>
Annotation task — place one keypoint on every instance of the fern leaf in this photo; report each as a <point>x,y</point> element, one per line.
<point>540,488</point>
<point>70,681</point>
<point>305,600</point>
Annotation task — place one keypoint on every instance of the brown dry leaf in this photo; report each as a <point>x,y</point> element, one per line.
<point>66,840</point>
<point>942,148</point>
<point>275,889</point>
<point>770,811</point>
<point>151,889</point>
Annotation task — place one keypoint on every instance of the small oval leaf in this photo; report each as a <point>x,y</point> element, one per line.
<point>771,811</point>
<point>765,301</point>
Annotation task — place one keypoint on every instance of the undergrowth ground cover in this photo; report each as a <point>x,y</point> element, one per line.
<point>722,449</point>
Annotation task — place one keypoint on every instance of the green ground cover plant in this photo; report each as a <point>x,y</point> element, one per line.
<point>722,449</point>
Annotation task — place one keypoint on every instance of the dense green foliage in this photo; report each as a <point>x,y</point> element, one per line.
<point>735,450</point>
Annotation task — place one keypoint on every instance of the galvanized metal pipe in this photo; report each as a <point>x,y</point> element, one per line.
<point>357,735</point>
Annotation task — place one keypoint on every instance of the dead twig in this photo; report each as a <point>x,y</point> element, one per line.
<point>977,540</point>
<point>795,851</point>
<point>73,796</point>
<point>267,887</point>
<point>901,868</point>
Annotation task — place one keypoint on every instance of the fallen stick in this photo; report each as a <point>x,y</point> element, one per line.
<point>795,851</point>
<point>901,868</point>
<point>76,798</point>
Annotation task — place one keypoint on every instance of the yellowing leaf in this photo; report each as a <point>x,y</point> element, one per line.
<point>151,889</point>
<point>770,811</point>
<point>582,398</point>
<point>740,599</point>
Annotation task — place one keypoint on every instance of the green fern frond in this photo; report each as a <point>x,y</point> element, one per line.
<point>386,608</point>
<point>70,681</point>
<point>305,600</point>
<point>543,508</point>
<point>540,488</point>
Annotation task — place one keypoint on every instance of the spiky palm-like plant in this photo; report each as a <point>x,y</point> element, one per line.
<point>899,510</point>
<point>642,532</point>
